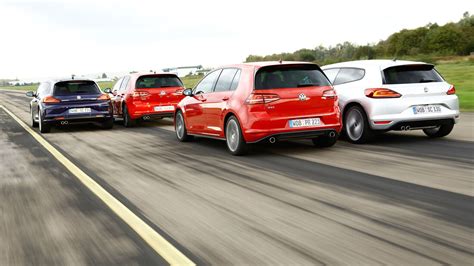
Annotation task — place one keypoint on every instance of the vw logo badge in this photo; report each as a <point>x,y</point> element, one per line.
<point>162,93</point>
<point>426,89</point>
<point>78,97</point>
<point>302,97</point>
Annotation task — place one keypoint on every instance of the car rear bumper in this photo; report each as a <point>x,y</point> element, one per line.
<point>56,113</point>
<point>388,114</point>
<point>306,134</point>
<point>147,111</point>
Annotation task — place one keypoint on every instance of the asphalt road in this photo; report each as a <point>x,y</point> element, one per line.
<point>403,199</point>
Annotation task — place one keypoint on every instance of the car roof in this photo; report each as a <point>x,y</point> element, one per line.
<point>54,81</point>
<point>380,63</point>
<point>267,63</point>
<point>139,74</point>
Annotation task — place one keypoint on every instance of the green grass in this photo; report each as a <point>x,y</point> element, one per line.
<point>461,75</point>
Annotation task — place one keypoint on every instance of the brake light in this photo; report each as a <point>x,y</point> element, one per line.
<point>262,98</point>
<point>331,94</point>
<point>451,90</point>
<point>381,93</point>
<point>50,100</point>
<point>141,94</point>
<point>104,97</point>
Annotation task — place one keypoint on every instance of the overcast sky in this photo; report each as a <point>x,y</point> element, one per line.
<point>57,38</point>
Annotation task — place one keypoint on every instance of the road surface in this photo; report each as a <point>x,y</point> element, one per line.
<point>403,199</point>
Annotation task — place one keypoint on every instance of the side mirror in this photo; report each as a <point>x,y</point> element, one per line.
<point>114,93</point>
<point>108,90</point>
<point>31,94</point>
<point>188,92</point>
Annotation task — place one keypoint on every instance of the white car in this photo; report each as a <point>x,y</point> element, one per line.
<point>383,95</point>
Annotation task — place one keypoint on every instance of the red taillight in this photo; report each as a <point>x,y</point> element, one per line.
<point>451,90</point>
<point>381,93</point>
<point>331,94</point>
<point>262,98</point>
<point>104,97</point>
<point>50,100</point>
<point>141,94</point>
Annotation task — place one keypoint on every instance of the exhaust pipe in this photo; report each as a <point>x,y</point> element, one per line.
<point>272,140</point>
<point>64,122</point>
<point>146,117</point>
<point>403,128</point>
<point>332,134</point>
<point>407,128</point>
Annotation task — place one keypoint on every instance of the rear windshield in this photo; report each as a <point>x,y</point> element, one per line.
<point>411,74</point>
<point>65,88</point>
<point>161,81</point>
<point>290,76</point>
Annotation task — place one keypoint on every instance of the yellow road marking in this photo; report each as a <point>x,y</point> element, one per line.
<point>155,240</point>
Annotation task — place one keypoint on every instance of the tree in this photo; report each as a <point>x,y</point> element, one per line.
<point>104,76</point>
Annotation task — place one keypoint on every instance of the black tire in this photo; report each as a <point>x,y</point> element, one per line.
<point>43,127</point>
<point>356,126</point>
<point>127,120</point>
<point>234,138</point>
<point>324,141</point>
<point>108,124</point>
<point>33,122</point>
<point>439,132</point>
<point>180,128</point>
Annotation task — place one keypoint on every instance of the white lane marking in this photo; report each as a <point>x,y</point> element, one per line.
<point>171,254</point>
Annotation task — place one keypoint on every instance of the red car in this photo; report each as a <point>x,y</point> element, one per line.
<point>267,101</point>
<point>146,96</point>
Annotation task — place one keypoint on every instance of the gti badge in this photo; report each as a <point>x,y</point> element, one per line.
<point>78,97</point>
<point>162,93</point>
<point>426,89</point>
<point>302,97</point>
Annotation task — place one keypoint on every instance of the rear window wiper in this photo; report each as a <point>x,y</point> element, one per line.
<point>427,80</point>
<point>307,85</point>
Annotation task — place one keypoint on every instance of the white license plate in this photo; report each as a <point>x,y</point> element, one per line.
<point>426,109</point>
<point>309,122</point>
<point>79,110</point>
<point>164,108</point>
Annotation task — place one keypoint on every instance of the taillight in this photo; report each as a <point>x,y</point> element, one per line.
<point>141,94</point>
<point>104,97</point>
<point>451,90</point>
<point>50,100</point>
<point>331,94</point>
<point>381,93</point>
<point>262,98</point>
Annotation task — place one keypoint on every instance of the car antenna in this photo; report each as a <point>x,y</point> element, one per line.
<point>72,76</point>
<point>280,61</point>
<point>394,59</point>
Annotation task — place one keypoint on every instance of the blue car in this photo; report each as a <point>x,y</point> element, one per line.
<point>62,102</point>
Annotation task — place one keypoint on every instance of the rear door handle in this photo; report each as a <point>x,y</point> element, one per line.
<point>203,99</point>
<point>225,98</point>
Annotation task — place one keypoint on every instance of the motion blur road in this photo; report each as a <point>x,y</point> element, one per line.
<point>404,199</point>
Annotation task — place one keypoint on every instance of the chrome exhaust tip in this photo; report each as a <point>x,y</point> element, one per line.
<point>407,128</point>
<point>272,140</point>
<point>64,122</point>
<point>146,117</point>
<point>403,128</point>
<point>332,134</point>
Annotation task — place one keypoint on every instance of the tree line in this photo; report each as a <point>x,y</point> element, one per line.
<point>424,43</point>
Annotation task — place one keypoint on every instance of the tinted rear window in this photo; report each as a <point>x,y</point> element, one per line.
<point>161,81</point>
<point>411,74</point>
<point>65,88</point>
<point>289,76</point>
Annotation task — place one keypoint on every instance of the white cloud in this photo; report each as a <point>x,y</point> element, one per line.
<point>57,38</point>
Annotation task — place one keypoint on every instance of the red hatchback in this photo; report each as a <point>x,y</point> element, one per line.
<point>146,96</point>
<point>267,101</point>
